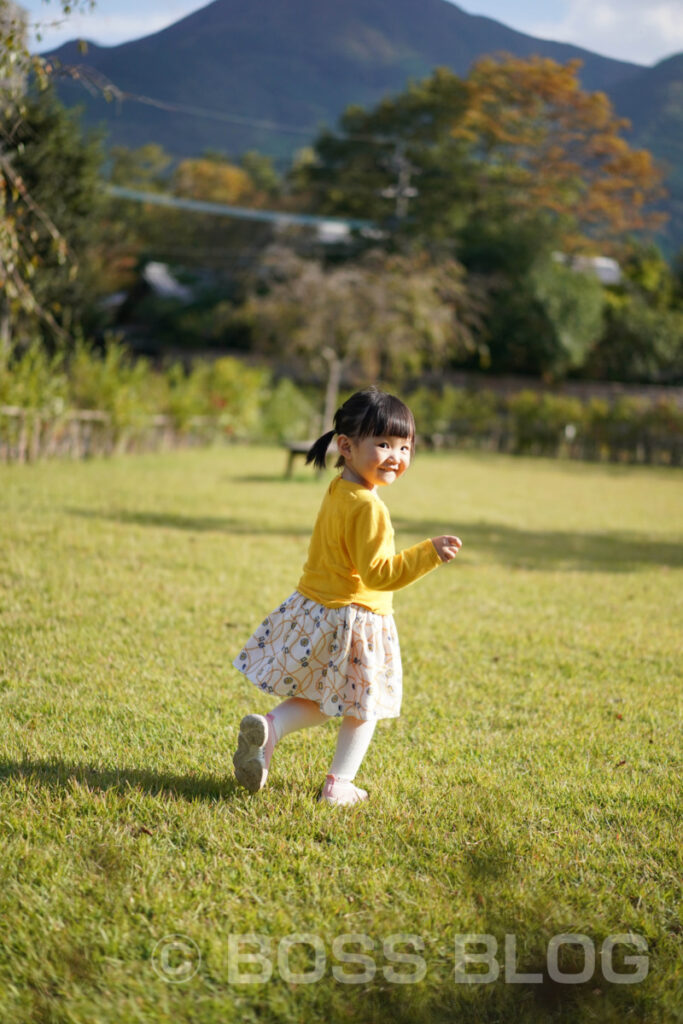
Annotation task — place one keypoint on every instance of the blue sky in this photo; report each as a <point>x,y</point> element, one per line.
<point>643,31</point>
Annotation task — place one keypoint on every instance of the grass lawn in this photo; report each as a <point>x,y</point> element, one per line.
<point>530,788</point>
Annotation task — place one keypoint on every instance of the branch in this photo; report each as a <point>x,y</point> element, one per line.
<point>18,184</point>
<point>30,302</point>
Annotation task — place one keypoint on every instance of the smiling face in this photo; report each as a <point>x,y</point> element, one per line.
<point>374,461</point>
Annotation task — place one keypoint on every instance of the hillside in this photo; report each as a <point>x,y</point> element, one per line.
<point>653,102</point>
<point>296,62</point>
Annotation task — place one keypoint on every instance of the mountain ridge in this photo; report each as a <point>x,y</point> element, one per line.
<point>300,62</point>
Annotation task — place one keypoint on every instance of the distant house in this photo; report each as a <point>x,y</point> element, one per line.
<point>331,231</point>
<point>162,282</point>
<point>604,268</point>
<point>155,279</point>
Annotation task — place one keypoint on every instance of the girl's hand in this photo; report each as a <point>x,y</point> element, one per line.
<point>447,547</point>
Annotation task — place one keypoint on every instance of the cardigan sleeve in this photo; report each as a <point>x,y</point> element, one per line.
<point>371,548</point>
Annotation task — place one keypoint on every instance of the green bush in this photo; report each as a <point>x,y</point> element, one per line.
<point>234,395</point>
<point>34,379</point>
<point>596,425</point>
<point>665,418</point>
<point>184,398</point>
<point>227,399</point>
<point>424,403</point>
<point>113,383</point>
<point>524,410</point>
<point>455,411</point>
<point>540,422</point>
<point>287,414</point>
<point>626,424</point>
<point>453,407</point>
<point>482,410</point>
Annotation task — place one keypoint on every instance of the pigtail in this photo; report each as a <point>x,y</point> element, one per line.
<point>317,454</point>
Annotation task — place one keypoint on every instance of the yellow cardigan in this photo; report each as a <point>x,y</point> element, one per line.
<point>352,558</point>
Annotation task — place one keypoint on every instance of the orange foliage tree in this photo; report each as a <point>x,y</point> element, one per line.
<point>212,180</point>
<point>544,145</point>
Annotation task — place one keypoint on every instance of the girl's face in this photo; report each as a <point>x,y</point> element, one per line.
<point>374,461</point>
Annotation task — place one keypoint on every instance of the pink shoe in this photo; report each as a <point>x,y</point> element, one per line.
<point>255,745</point>
<point>341,792</point>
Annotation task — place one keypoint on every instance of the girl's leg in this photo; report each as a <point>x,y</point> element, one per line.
<point>258,736</point>
<point>352,744</point>
<point>295,713</point>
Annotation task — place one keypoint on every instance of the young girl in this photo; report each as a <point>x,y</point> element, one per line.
<point>331,647</point>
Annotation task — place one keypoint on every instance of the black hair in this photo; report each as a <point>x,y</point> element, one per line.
<point>367,413</point>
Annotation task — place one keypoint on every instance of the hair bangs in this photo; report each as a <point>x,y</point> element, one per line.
<point>388,416</point>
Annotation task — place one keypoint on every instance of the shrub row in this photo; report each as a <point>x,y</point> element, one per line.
<point>219,400</point>
<point>531,422</point>
<point>226,400</point>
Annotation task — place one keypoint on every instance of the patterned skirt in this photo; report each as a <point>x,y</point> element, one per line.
<point>346,659</point>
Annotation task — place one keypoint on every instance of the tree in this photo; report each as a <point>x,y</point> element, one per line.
<point>543,144</point>
<point>572,305</point>
<point>55,208</point>
<point>508,166</point>
<point>543,316</point>
<point>213,255</point>
<point>640,343</point>
<point>386,315</point>
<point>399,164</point>
<point>643,332</point>
<point>145,168</point>
<point>516,139</point>
<point>212,180</point>
<point>260,169</point>
<point>222,246</point>
<point>17,257</point>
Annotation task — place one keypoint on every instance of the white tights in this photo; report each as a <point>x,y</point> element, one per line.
<point>352,742</point>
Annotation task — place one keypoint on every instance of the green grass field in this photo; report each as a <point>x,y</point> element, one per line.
<point>531,786</point>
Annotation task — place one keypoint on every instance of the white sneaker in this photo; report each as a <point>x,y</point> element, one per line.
<point>250,761</point>
<point>341,792</point>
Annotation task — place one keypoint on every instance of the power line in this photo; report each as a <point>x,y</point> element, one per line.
<point>402,191</point>
<point>93,80</point>
<point>224,210</point>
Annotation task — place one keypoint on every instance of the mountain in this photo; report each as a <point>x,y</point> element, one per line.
<point>295,62</point>
<point>653,102</point>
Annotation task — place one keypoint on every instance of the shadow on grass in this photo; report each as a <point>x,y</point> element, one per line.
<point>56,774</point>
<point>276,478</point>
<point>612,551</point>
<point>195,524</point>
<point>453,1002</point>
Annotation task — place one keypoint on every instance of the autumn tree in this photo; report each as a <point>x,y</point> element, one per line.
<point>387,315</point>
<point>224,246</point>
<point>517,138</point>
<point>212,180</point>
<point>502,170</point>
<point>543,145</point>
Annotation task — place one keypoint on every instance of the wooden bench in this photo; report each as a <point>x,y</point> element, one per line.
<point>296,448</point>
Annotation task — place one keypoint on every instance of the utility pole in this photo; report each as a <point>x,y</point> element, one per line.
<point>402,191</point>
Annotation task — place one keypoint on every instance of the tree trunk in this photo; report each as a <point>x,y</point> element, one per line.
<point>5,331</point>
<point>335,367</point>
